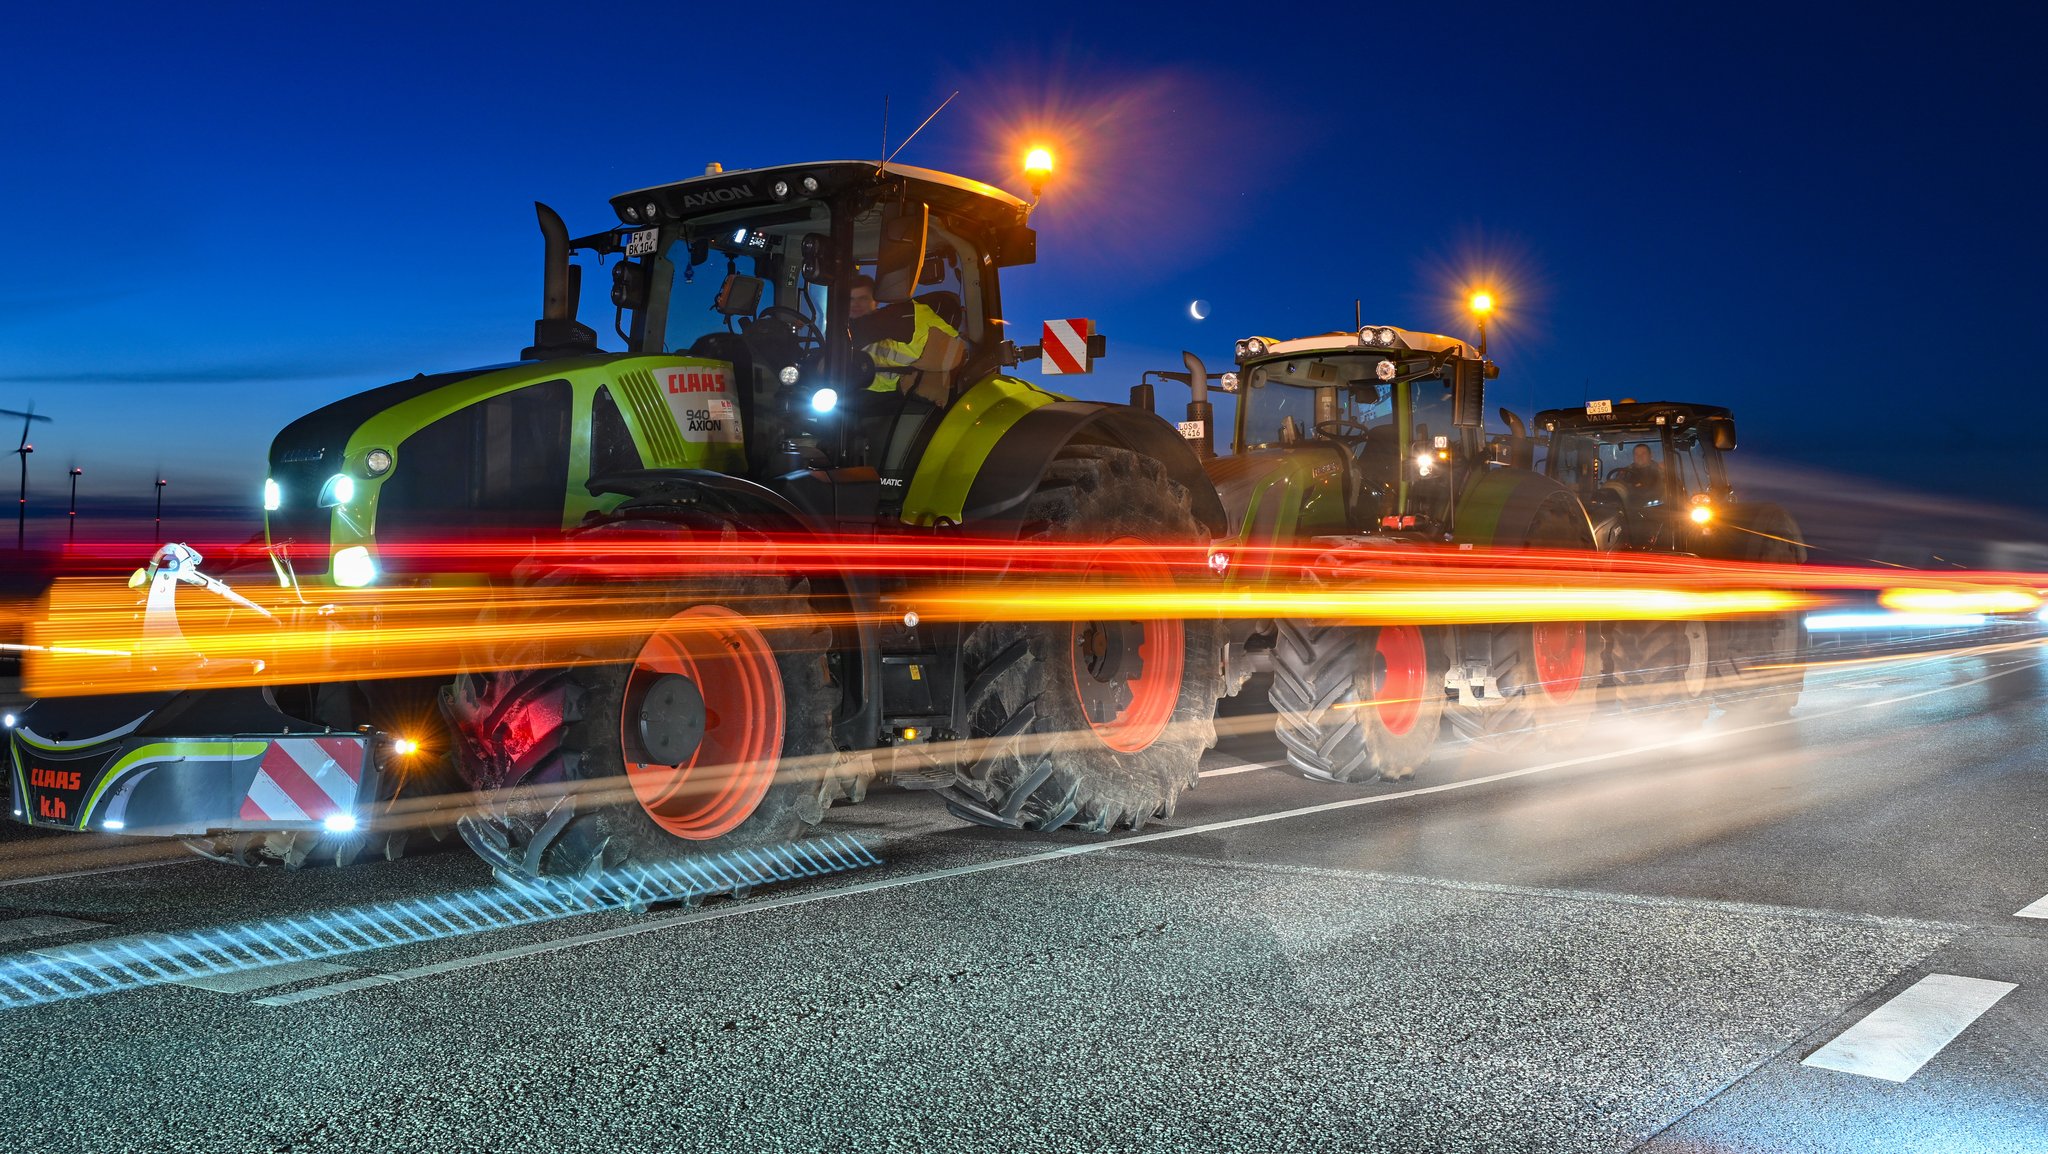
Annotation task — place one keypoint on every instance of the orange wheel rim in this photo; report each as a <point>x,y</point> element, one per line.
<point>1128,674</point>
<point>1560,652</point>
<point>731,665</point>
<point>1400,677</point>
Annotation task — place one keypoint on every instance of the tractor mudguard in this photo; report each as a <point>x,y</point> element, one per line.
<point>197,762</point>
<point>1513,509</point>
<point>1012,471</point>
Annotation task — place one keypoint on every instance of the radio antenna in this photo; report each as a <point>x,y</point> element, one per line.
<point>1357,312</point>
<point>913,132</point>
<point>885,131</point>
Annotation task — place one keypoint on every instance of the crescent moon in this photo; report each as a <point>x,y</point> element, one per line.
<point>1199,310</point>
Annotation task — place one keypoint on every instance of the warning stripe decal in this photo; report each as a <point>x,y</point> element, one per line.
<point>1064,346</point>
<point>305,779</point>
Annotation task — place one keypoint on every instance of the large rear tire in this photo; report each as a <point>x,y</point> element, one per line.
<point>1091,724</point>
<point>706,726</point>
<point>1356,703</point>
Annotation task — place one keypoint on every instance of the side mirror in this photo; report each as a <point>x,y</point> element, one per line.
<point>1724,433</point>
<point>818,266</point>
<point>899,253</point>
<point>629,285</point>
<point>1468,395</point>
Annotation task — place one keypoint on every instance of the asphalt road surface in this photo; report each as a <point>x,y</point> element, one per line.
<point>1802,936</point>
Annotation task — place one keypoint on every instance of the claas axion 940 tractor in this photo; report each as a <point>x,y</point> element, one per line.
<point>740,409</point>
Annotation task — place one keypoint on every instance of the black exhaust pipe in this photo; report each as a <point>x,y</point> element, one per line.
<point>1199,408</point>
<point>557,333</point>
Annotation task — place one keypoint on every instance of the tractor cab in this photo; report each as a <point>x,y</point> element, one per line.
<point>1383,423</point>
<point>1650,473</point>
<point>850,304</point>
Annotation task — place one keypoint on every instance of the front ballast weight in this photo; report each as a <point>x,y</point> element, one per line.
<point>288,780</point>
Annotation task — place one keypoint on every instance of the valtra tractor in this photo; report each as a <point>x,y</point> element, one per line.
<point>1361,442</point>
<point>1654,476</point>
<point>735,413</point>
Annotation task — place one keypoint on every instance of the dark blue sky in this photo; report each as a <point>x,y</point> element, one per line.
<point>1828,219</point>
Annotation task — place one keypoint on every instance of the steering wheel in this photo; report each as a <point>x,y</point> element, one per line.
<point>1335,428</point>
<point>802,327</point>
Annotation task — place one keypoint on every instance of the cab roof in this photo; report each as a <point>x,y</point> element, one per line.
<point>1385,338</point>
<point>1631,415</point>
<point>725,191</point>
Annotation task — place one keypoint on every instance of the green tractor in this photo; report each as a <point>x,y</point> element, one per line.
<point>1357,443</point>
<point>743,407</point>
<point>1654,476</point>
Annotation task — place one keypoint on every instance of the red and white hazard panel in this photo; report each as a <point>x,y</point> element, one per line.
<point>305,779</point>
<point>1066,347</point>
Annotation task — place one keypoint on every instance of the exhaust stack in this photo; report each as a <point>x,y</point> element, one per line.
<point>1199,409</point>
<point>557,333</point>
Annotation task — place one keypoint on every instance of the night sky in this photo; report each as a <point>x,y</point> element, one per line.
<point>1825,219</point>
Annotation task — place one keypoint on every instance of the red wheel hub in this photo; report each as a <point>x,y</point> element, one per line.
<point>1400,676</point>
<point>727,671</point>
<point>1128,673</point>
<point>1560,653</point>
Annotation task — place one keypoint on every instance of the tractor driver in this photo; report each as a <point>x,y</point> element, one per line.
<point>1643,472</point>
<point>907,339</point>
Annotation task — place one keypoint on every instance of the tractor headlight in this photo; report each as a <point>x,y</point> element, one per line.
<point>810,184</point>
<point>779,190</point>
<point>824,400</point>
<point>1701,514</point>
<point>354,568</point>
<point>377,462</point>
<point>1251,347</point>
<point>1423,464</point>
<point>273,497</point>
<point>788,375</point>
<point>340,489</point>
<point>339,823</point>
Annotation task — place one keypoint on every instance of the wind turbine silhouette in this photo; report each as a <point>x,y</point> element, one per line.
<point>22,451</point>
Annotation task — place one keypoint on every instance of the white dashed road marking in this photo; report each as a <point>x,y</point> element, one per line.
<point>264,977</point>
<point>1899,1037</point>
<point>2037,910</point>
<point>43,926</point>
<point>1243,767</point>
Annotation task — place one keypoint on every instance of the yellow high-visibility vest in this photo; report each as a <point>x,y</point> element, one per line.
<point>903,354</point>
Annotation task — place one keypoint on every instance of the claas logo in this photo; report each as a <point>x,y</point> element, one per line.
<point>680,382</point>
<point>55,779</point>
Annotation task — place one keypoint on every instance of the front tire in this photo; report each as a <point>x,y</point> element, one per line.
<point>1662,666</point>
<point>1757,664</point>
<point>708,728</point>
<point>1545,678</point>
<point>1356,703</point>
<point>1092,724</point>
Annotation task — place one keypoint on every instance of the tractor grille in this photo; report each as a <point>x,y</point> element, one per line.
<point>643,396</point>
<point>300,519</point>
